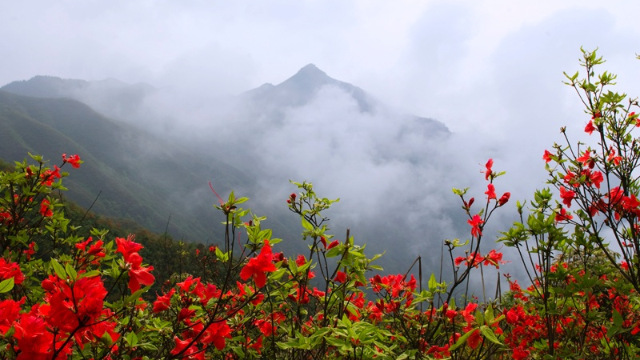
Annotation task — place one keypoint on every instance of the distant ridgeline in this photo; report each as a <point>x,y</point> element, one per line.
<point>136,175</point>
<point>158,182</point>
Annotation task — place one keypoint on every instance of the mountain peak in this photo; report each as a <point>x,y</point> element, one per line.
<point>310,69</point>
<point>309,77</point>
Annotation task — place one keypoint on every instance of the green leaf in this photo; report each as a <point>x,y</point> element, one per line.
<point>433,284</point>
<point>6,285</point>
<point>132,339</point>
<point>617,318</point>
<point>58,269</point>
<point>459,192</point>
<point>488,314</point>
<point>91,273</point>
<point>462,339</point>
<point>147,346</point>
<point>136,295</point>
<point>71,271</point>
<point>106,339</point>
<point>488,333</point>
<point>307,225</point>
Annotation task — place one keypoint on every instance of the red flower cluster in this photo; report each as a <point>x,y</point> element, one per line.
<point>476,223</point>
<point>10,270</point>
<point>45,208</point>
<point>49,176</point>
<point>258,266</point>
<point>138,275</point>
<point>74,160</point>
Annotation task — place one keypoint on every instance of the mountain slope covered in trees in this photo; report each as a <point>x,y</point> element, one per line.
<point>132,174</point>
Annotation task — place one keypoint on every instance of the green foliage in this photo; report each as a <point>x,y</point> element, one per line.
<point>72,286</point>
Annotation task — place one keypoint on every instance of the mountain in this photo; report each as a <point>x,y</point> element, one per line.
<point>390,169</point>
<point>299,90</point>
<point>120,100</point>
<point>136,175</point>
<point>111,97</point>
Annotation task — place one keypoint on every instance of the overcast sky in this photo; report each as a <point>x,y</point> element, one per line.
<point>490,70</point>
<point>431,58</point>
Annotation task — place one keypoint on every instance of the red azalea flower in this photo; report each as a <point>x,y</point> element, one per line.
<point>589,128</point>
<point>73,305</point>
<point>258,266</point>
<point>74,160</point>
<point>9,312</point>
<point>209,292</point>
<point>127,247</point>
<point>10,270</point>
<point>45,209</point>
<point>94,250</point>
<point>439,352</point>
<point>567,196</point>
<point>586,159</point>
<point>139,275</point>
<point>615,195</point>
<point>612,156</point>
<point>488,171</point>
<point>340,277</point>
<point>31,251</point>
<point>563,215</point>
<point>569,179</point>
<point>474,340</point>
<point>191,353</point>
<point>546,156</point>
<point>473,259</point>
<point>34,340</point>
<point>494,258</point>
<point>475,223</point>
<point>468,313</point>
<point>491,192</point>
<point>163,302</point>
<point>216,334</point>
<point>596,178</point>
<point>49,176</point>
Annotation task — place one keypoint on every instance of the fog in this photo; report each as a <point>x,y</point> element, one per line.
<point>490,72</point>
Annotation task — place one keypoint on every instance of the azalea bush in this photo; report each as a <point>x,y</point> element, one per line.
<point>66,296</point>
<point>581,252</point>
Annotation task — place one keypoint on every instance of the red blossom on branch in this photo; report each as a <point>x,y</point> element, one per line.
<point>488,170</point>
<point>49,176</point>
<point>10,270</point>
<point>45,209</point>
<point>567,196</point>
<point>586,159</point>
<point>491,192</point>
<point>476,225</point>
<point>258,266</point>
<point>504,198</point>
<point>74,160</point>
<point>589,128</point>
<point>563,215</point>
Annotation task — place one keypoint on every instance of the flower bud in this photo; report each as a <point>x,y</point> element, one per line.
<point>504,198</point>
